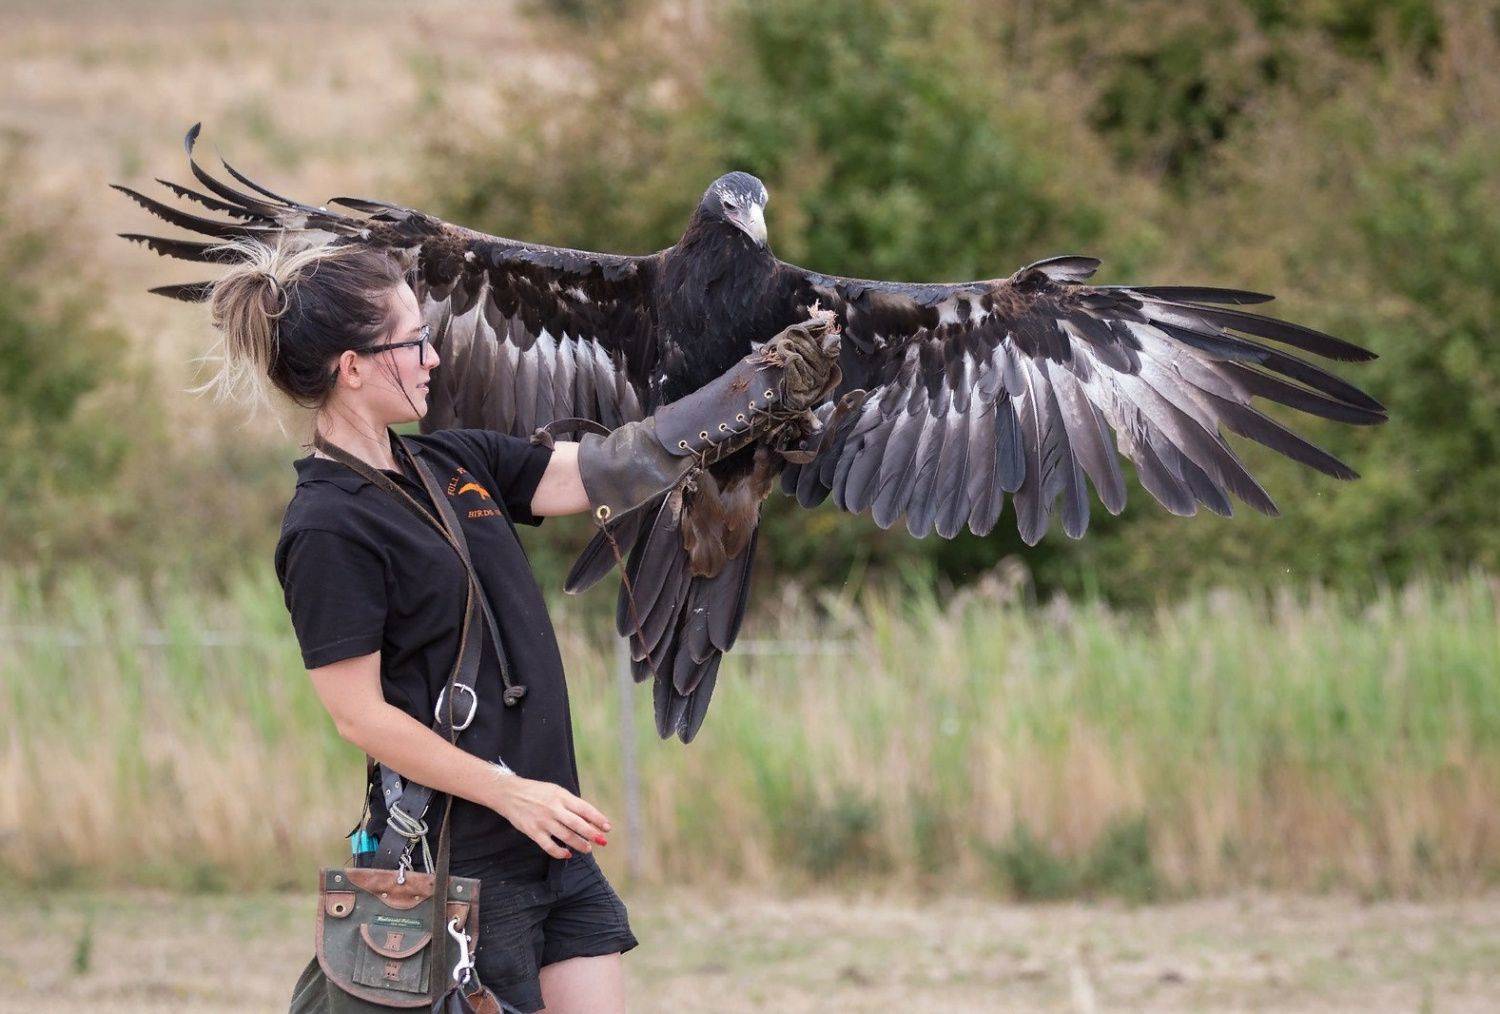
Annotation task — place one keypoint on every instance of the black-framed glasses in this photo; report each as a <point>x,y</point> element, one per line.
<point>423,342</point>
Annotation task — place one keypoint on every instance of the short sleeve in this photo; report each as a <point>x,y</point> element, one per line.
<point>335,591</point>
<point>517,465</point>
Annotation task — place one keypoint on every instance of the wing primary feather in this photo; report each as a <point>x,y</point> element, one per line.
<point>1287,333</point>
<point>1254,425</point>
<point>183,249</point>
<point>1264,385</point>
<point>1195,294</point>
<point>188,292</point>
<point>211,203</point>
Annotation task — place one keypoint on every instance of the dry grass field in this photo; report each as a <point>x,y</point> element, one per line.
<point>118,953</point>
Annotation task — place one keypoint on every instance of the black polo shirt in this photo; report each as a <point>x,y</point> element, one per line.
<point>361,573</point>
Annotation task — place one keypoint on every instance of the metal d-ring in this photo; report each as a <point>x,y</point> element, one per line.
<point>437,709</point>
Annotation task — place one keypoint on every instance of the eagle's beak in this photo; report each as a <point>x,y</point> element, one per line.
<point>756,227</point>
<point>753,223</point>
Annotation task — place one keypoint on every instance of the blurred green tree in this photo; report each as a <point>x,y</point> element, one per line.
<point>59,452</point>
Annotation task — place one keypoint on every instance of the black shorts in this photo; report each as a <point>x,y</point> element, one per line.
<point>538,912</point>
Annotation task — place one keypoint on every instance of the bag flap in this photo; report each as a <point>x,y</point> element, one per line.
<point>394,943</point>
<point>385,885</point>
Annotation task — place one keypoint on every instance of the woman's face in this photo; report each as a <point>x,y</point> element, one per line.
<point>398,378</point>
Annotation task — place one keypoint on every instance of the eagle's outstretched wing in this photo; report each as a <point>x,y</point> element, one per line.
<point>1015,386</point>
<point>527,333</point>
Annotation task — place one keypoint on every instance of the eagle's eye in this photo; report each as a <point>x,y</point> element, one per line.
<point>730,203</point>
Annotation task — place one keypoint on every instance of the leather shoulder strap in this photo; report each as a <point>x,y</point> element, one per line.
<point>513,691</point>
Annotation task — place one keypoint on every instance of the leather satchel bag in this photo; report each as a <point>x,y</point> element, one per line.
<point>382,940</point>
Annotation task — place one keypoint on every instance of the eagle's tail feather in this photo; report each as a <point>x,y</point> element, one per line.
<point>687,622</point>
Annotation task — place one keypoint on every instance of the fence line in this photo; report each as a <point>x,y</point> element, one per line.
<point>156,638</point>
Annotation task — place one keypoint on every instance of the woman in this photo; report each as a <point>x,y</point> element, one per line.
<point>376,598</point>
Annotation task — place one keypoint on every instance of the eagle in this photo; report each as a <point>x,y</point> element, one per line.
<point>951,395</point>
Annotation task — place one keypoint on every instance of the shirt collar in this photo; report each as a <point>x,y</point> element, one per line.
<point>315,469</point>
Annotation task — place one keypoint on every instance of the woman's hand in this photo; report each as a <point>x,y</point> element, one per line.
<point>543,811</point>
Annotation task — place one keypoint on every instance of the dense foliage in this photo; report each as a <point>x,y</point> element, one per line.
<point>58,459</point>
<point>1337,154</point>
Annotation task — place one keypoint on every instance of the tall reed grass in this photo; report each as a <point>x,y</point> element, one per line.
<point>1291,739</point>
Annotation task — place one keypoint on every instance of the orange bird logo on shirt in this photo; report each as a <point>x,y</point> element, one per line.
<point>474,487</point>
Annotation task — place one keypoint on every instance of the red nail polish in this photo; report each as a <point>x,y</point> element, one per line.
<point>600,839</point>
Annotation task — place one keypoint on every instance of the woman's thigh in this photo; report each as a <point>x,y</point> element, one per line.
<point>593,985</point>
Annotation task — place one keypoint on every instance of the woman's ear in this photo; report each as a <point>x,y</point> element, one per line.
<point>348,369</point>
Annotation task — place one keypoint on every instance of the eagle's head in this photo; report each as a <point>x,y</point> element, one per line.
<point>739,199</point>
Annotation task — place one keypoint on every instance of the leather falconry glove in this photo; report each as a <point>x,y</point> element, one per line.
<point>770,387</point>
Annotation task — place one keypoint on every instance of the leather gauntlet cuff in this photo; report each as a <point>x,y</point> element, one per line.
<point>626,468</point>
<point>639,460</point>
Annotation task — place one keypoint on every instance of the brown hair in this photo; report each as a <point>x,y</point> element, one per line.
<point>285,312</point>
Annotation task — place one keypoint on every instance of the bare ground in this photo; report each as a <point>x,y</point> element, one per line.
<point>137,951</point>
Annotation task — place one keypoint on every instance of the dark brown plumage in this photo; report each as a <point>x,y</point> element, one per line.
<point>953,395</point>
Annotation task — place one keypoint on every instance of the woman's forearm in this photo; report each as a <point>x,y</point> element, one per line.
<point>405,745</point>
<point>546,813</point>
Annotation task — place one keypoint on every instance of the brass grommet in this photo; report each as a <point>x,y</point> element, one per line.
<point>603,512</point>
<point>770,393</point>
<point>682,444</point>
<point>739,417</point>
<point>703,434</point>
<point>723,427</point>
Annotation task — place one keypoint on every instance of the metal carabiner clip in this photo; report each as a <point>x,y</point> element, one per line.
<point>437,709</point>
<point>463,970</point>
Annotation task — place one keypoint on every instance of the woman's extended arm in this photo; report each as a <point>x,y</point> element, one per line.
<point>561,489</point>
<point>350,690</point>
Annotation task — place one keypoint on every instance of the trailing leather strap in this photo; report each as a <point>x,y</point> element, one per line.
<point>543,435</point>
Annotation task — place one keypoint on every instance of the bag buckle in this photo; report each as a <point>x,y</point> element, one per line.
<point>437,709</point>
